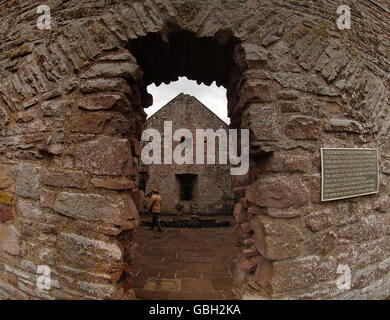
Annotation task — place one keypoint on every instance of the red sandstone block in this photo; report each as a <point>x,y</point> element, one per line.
<point>264,273</point>
<point>6,213</point>
<point>278,192</point>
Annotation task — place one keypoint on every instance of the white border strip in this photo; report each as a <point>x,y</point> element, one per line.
<point>347,197</point>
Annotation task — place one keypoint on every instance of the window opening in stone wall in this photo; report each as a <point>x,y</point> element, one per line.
<point>187,185</point>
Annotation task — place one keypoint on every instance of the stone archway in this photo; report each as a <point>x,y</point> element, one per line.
<point>111,101</point>
<point>72,112</point>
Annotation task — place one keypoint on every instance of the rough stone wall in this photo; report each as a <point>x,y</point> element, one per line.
<point>71,104</point>
<point>187,112</point>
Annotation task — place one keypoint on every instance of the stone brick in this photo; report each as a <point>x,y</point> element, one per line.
<point>5,213</point>
<point>309,83</point>
<point>370,227</point>
<point>363,277</point>
<point>101,291</point>
<point>382,203</point>
<point>113,209</point>
<point>48,256</point>
<point>264,273</point>
<point>47,198</point>
<point>65,179</point>
<point>90,123</point>
<point>385,165</point>
<point>6,198</point>
<point>301,273</point>
<point>278,192</point>
<point>27,181</point>
<point>56,108</point>
<point>286,107</point>
<point>285,213</point>
<point>5,176</point>
<point>117,125</point>
<point>99,85</point>
<point>276,240</point>
<point>254,55</point>
<point>99,122</point>
<point>322,243</point>
<point>112,70</point>
<point>35,126</point>
<point>29,210</point>
<point>267,127</point>
<point>105,101</point>
<point>28,265</point>
<point>259,90</point>
<point>10,240</point>
<point>25,116</point>
<point>372,251</point>
<point>89,253</point>
<point>22,51</point>
<point>105,156</point>
<point>287,162</point>
<point>342,125</point>
<point>114,183</point>
<point>345,215</point>
<point>303,128</point>
<point>320,220</point>
<point>332,60</point>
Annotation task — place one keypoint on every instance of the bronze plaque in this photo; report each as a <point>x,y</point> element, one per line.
<point>348,173</point>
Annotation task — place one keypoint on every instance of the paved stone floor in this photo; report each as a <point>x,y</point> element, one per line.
<point>185,264</point>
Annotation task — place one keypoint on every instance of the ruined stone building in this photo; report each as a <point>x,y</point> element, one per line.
<point>193,188</point>
<point>72,102</point>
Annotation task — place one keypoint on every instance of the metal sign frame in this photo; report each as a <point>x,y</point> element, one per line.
<point>353,196</point>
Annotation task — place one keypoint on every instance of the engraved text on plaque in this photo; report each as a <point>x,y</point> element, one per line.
<point>348,173</point>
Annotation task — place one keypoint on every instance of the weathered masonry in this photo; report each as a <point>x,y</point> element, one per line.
<point>191,188</point>
<point>71,105</point>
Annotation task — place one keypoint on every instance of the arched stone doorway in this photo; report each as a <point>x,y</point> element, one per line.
<point>72,104</point>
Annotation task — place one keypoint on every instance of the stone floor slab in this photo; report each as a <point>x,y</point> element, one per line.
<point>185,264</point>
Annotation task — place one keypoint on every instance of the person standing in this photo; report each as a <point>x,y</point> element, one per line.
<point>155,208</point>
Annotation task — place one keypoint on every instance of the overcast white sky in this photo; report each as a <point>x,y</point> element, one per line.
<point>212,97</point>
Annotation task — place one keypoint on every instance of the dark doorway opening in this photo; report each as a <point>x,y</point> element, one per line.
<point>143,178</point>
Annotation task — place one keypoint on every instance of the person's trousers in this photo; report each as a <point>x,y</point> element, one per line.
<point>156,221</point>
